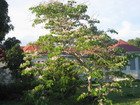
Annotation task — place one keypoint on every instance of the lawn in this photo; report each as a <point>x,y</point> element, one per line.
<point>130,96</point>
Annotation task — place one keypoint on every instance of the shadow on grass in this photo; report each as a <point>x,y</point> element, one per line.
<point>130,95</point>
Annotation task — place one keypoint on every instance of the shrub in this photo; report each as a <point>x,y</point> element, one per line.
<point>58,81</point>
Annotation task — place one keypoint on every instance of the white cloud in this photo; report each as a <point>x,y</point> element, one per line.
<point>127,31</point>
<point>126,28</point>
<point>121,15</point>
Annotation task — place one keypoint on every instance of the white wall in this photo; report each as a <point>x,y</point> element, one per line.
<point>5,75</point>
<point>135,73</point>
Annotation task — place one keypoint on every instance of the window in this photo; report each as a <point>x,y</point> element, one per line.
<point>38,61</point>
<point>139,62</point>
<point>132,64</point>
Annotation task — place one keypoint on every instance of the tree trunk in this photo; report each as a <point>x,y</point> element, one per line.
<point>89,84</point>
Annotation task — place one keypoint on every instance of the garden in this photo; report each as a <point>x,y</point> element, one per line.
<point>81,65</point>
<point>129,96</point>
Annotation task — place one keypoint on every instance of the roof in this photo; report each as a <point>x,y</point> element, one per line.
<point>30,48</point>
<point>120,43</point>
<point>127,47</point>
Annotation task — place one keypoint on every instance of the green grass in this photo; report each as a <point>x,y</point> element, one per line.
<point>129,96</point>
<point>129,102</point>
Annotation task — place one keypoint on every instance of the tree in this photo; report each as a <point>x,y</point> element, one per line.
<point>135,42</point>
<point>73,34</point>
<point>5,27</point>
<point>10,42</point>
<point>14,54</point>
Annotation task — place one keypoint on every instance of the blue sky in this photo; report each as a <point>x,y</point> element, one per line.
<point>121,15</point>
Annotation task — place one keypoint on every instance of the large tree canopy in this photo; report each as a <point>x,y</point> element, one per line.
<point>5,27</point>
<point>75,38</point>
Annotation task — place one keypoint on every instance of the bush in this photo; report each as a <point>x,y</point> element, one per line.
<point>10,91</point>
<point>14,91</point>
<point>58,80</point>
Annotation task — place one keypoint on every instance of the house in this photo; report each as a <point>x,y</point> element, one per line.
<point>34,50</point>
<point>30,48</point>
<point>133,67</point>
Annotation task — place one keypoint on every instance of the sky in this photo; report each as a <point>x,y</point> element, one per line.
<point>121,15</point>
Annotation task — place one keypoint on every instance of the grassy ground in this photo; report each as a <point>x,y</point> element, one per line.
<point>129,96</point>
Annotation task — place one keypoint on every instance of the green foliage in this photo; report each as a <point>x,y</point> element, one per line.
<point>128,96</point>
<point>75,47</point>
<point>112,31</point>
<point>14,91</point>
<point>27,61</point>
<point>10,42</point>
<point>14,55</point>
<point>117,98</point>
<point>5,27</point>
<point>57,80</point>
<point>135,42</point>
<point>35,97</point>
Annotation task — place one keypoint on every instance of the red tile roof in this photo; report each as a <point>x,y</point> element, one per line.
<point>126,46</point>
<point>30,48</point>
<point>120,43</point>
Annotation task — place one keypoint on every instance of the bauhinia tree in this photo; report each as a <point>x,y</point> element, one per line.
<point>75,43</point>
